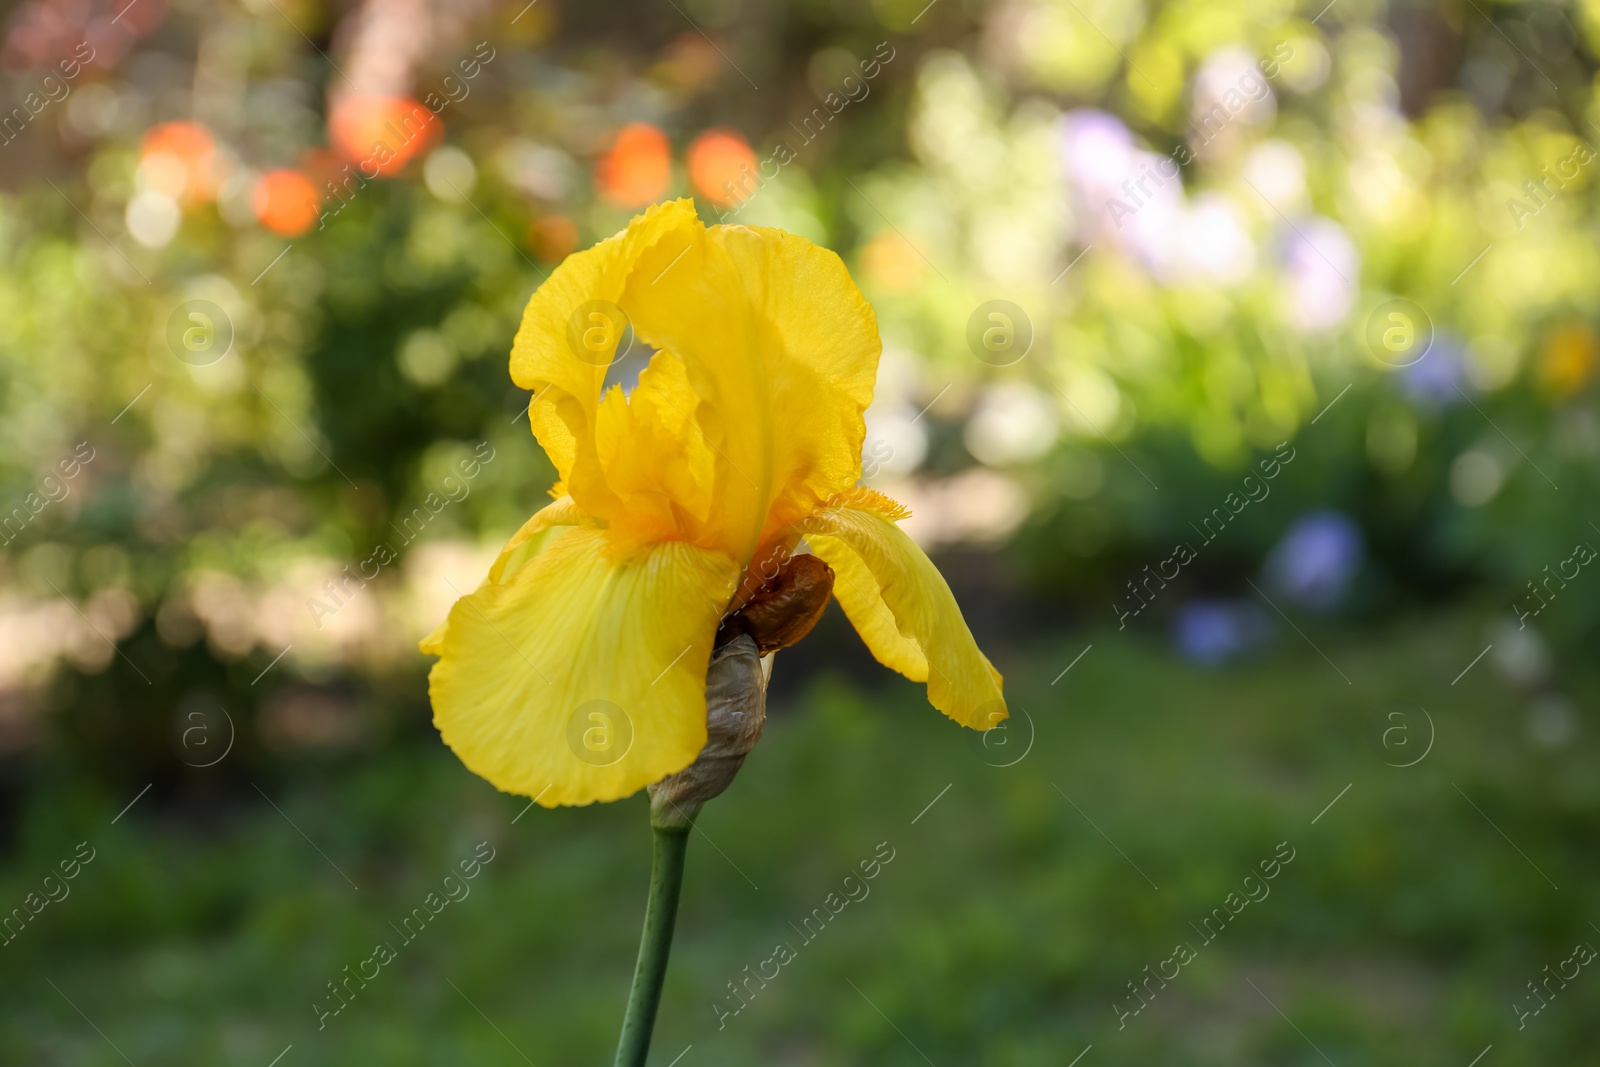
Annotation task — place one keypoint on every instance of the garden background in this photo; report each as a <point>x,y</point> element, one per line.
<point>1238,368</point>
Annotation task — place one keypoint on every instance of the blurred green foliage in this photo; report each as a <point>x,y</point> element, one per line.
<point>1002,932</point>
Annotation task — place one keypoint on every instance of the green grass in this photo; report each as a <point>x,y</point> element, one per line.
<point>1000,934</point>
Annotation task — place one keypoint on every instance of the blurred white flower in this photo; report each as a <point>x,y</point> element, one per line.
<point>537,169</point>
<point>33,635</point>
<point>897,436</point>
<point>236,198</point>
<point>426,357</point>
<point>896,442</point>
<point>223,605</point>
<point>1277,171</point>
<point>1126,195</point>
<point>1229,91</point>
<point>1520,655</point>
<point>433,571</point>
<point>1135,199</point>
<point>976,506</point>
<point>1013,423</point>
<point>1216,245</point>
<point>1322,269</point>
<point>163,173</point>
<point>450,174</point>
<point>1153,193</point>
<point>152,218</point>
<point>1308,68</point>
<point>92,110</point>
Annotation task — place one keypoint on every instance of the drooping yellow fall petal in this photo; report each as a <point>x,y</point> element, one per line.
<point>525,543</point>
<point>856,589</point>
<point>778,352</point>
<point>901,606</point>
<point>578,674</point>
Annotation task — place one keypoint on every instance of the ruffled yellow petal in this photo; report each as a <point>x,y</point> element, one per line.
<point>579,675</point>
<point>856,589</point>
<point>535,534</point>
<point>782,347</point>
<point>766,358</point>
<point>562,349</point>
<point>901,606</point>
<point>654,456</point>
<point>531,539</point>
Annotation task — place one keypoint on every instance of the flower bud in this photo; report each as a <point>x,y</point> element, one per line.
<point>781,612</point>
<point>736,708</point>
<point>785,608</point>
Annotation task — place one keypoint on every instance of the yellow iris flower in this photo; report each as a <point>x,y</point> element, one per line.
<point>742,437</point>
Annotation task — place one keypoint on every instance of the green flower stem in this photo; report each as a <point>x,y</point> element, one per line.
<point>655,945</point>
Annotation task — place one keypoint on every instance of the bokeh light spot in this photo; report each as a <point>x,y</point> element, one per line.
<point>286,202</point>
<point>637,168</point>
<point>381,134</point>
<point>722,167</point>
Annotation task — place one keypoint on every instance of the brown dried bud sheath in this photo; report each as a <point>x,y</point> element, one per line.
<point>736,709</point>
<point>781,612</point>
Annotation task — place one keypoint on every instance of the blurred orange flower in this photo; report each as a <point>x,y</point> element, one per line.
<point>638,167</point>
<point>180,159</point>
<point>286,202</point>
<point>722,167</point>
<point>381,134</point>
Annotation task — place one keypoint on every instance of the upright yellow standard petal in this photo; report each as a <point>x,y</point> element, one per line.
<point>752,413</point>
<point>579,675</point>
<point>567,339</point>
<point>655,458</point>
<point>901,606</point>
<point>782,347</point>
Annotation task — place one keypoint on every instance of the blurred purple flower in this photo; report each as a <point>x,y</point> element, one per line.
<point>1104,167</point>
<point>1214,631</point>
<point>1096,153</point>
<point>1316,559</point>
<point>1434,378</point>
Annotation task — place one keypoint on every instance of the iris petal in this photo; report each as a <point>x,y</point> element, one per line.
<point>530,540</point>
<point>579,674</point>
<point>767,353</point>
<point>576,672</point>
<point>782,347</point>
<point>901,606</point>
